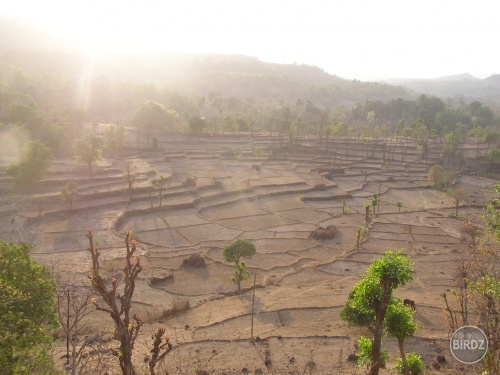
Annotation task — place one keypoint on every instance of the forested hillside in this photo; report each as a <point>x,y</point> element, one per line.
<point>45,88</point>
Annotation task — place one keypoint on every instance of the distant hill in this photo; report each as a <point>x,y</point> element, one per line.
<point>461,85</point>
<point>46,60</point>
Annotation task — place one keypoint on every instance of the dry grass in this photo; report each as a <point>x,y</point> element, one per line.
<point>321,233</point>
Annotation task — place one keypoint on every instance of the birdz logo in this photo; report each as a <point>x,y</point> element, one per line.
<point>469,344</point>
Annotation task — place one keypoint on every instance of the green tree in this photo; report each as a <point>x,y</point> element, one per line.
<point>233,253</point>
<point>399,323</point>
<point>28,312</point>
<point>33,165</point>
<point>369,300</point>
<point>88,149</point>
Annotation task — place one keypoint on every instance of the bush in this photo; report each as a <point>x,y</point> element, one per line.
<point>323,233</point>
<point>190,182</point>
<point>194,260</point>
<point>415,364</point>
<point>365,353</point>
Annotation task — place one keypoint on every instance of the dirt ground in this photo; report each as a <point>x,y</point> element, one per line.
<point>302,283</point>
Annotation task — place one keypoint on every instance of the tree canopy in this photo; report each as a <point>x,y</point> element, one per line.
<point>27,311</point>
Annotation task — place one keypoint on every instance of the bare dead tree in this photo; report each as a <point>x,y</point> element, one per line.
<point>160,349</point>
<point>130,176</point>
<point>118,304</point>
<point>74,305</point>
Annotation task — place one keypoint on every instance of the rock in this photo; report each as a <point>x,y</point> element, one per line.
<point>441,358</point>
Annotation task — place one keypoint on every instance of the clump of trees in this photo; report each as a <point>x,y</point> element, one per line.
<point>233,253</point>
<point>371,304</point>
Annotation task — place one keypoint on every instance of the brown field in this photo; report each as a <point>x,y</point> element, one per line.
<point>302,283</point>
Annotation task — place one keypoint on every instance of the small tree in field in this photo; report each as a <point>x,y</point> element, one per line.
<point>130,176</point>
<point>233,253</point>
<point>375,202</point>
<point>457,195</point>
<point>88,149</point>
<point>68,194</point>
<point>399,205</point>
<point>369,300</point>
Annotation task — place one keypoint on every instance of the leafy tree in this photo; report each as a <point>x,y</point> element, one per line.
<point>68,192</point>
<point>233,253</point>
<point>88,149</point>
<point>27,312</point>
<point>33,165</point>
<point>399,323</point>
<point>369,300</point>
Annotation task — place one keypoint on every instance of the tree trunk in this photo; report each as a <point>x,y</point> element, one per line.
<point>379,327</point>
<point>403,356</point>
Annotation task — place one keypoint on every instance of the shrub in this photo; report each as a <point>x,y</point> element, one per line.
<point>34,163</point>
<point>190,182</point>
<point>415,364</point>
<point>323,233</point>
<point>365,353</point>
<point>194,260</point>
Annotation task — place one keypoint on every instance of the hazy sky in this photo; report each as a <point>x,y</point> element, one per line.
<point>362,39</point>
